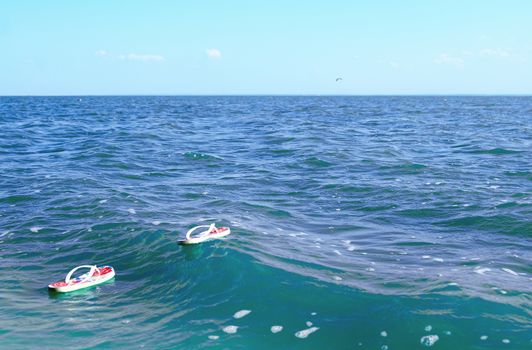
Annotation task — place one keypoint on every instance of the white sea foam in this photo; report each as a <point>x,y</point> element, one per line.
<point>241,313</point>
<point>511,272</point>
<point>103,201</point>
<point>309,324</point>
<point>384,334</point>
<point>506,341</point>
<point>306,332</point>
<point>482,270</point>
<point>35,229</point>
<point>483,337</point>
<point>156,222</point>
<point>131,211</point>
<point>438,259</point>
<point>428,328</point>
<point>313,313</point>
<point>276,329</point>
<point>213,337</point>
<point>337,278</point>
<point>429,340</point>
<point>230,329</point>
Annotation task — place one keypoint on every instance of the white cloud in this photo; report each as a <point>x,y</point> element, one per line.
<point>142,57</point>
<point>445,58</point>
<point>213,53</point>
<point>102,53</point>
<point>495,53</point>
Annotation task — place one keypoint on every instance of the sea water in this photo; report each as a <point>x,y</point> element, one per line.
<point>357,222</point>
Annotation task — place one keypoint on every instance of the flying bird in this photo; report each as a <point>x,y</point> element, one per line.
<point>338,79</point>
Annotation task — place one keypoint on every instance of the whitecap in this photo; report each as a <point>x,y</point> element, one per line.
<point>429,340</point>
<point>425,257</point>
<point>384,334</point>
<point>438,259</point>
<point>156,222</point>
<point>313,313</point>
<point>213,337</point>
<point>306,332</point>
<point>309,324</point>
<point>428,328</point>
<point>511,272</point>
<point>276,329</point>
<point>230,329</point>
<point>35,229</point>
<point>483,337</point>
<point>131,211</point>
<point>482,270</point>
<point>103,201</point>
<point>337,278</point>
<point>241,313</point>
<point>506,341</point>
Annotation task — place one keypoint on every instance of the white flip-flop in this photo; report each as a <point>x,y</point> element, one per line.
<point>95,276</point>
<point>212,232</point>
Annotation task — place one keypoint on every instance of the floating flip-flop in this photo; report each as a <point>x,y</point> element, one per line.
<point>96,275</point>
<point>212,232</point>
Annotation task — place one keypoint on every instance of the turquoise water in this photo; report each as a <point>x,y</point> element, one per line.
<point>376,220</point>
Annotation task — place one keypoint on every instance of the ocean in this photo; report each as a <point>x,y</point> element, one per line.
<point>379,222</point>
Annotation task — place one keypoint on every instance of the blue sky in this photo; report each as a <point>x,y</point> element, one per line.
<point>265,47</point>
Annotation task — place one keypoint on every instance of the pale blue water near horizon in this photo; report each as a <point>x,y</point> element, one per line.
<point>372,221</point>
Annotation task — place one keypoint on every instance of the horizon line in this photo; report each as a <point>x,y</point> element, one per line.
<point>281,95</point>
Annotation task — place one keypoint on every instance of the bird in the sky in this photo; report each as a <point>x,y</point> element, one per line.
<point>338,79</point>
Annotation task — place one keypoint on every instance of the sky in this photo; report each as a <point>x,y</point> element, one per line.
<point>231,47</point>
